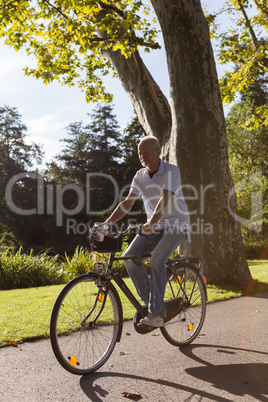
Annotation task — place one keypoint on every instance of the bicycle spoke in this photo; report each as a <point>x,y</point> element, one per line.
<point>83,329</point>
<point>188,286</point>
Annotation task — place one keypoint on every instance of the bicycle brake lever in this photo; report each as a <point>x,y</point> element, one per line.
<point>140,230</point>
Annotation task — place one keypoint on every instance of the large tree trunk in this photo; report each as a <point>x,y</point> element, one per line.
<point>150,103</point>
<point>196,139</point>
<point>199,142</point>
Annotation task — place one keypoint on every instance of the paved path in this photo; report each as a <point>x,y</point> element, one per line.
<point>228,362</point>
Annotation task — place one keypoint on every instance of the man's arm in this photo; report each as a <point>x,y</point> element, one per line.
<point>158,212</point>
<point>122,209</point>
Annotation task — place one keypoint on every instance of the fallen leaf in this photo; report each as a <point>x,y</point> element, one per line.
<point>131,395</point>
<point>14,343</point>
<point>127,333</point>
<point>123,353</point>
<point>155,334</point>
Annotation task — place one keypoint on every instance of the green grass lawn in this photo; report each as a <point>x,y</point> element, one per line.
<point>259,270</point>
<point>25,313</point>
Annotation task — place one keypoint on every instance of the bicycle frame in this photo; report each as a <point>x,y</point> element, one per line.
<point>120,282</point>
<point>125,289</point>
<point>172,306</point>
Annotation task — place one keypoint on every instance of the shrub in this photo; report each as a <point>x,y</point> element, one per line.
<point>7,240</point>
<point>83,261</point>
<point>79,263</point>
<point>27,270</point>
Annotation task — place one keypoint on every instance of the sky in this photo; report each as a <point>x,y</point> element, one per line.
<point>47,110</point>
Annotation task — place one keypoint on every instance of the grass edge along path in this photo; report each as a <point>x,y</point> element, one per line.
<point>25,313</point>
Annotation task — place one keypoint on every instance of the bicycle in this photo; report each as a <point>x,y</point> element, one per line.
<point>87,318</point>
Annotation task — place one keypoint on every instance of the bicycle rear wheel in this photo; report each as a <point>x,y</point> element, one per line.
<point>186,285</point>
<point>86,323</point>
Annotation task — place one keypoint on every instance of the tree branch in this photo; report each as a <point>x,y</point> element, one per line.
<point>263,9</point>
<point>151,105</point>
<point>133,40</point>
<point>55,8</point>
<point>248,25</point>
<point>8,4</point>
<point>111,7</point>
<point>223,11</point>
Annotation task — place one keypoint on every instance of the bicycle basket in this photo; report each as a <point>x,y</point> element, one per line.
<point>111,243</point>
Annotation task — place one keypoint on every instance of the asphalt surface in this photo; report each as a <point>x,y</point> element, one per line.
<point>228,362</point>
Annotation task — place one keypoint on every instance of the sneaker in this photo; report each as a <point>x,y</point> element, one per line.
<point>152,321</point>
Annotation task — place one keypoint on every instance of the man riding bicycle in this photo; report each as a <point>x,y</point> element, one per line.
<point>168,225</point>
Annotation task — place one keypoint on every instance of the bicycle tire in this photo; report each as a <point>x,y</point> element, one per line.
<point>188,286</point>
<point>83,347</point>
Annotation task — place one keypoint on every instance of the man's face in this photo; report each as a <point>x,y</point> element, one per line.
<point>149,156</point>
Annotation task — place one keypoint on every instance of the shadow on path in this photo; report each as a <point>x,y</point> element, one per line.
<point>95,392</point>
<point>237,379</point>
<point>262,291</point>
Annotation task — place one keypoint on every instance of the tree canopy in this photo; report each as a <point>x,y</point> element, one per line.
<point>243,47</point>
<point>68,37</point>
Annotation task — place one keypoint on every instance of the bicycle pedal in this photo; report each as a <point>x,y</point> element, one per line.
<point>140,324</point>
<point>145,328</point>
<point>148,327</point>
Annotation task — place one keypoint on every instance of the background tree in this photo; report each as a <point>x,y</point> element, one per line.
<point>90,149</point>
<point>129,143</point>
<point>105,154</point>
<point>73,163</point>
<point>16,154</point>
<point>244,48</point>
<point>76,44</point>
<point>17,157</point>
<point>104,128</point>
<point>248,150</point>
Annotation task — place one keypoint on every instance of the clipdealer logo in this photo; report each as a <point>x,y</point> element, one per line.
<point>50,198</point>
<point>50,201</point>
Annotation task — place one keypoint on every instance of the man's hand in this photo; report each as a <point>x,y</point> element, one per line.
<point>148,228</point>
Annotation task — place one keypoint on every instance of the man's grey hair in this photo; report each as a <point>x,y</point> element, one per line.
<point>153,140</point>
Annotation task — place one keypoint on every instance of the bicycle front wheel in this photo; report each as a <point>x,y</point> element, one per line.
<point>86,323</point>
<point>187,286</point>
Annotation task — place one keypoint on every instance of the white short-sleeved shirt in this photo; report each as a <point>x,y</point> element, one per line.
<point>166,178</point>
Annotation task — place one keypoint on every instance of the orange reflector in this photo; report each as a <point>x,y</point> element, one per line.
<point>190,327</point>
<point>73,361</point>
<point>178,279</point>
<point>206,279</point>
<point>101,297</point>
